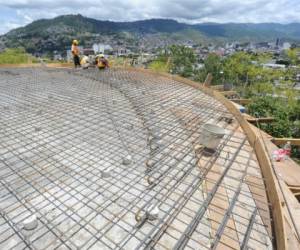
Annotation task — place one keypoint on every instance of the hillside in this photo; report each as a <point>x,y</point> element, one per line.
<point>55,34</point>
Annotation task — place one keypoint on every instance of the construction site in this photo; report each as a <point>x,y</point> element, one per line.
<point>131,159</point>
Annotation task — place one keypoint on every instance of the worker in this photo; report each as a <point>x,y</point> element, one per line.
<point>85,62</point>
<point>102,62</point>
<point>75,53</point>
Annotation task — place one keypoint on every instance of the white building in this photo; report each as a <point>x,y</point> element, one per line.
<point>123,52</point>
<point>286,46</point>
<point>274,66</point>
<point>101,48</point>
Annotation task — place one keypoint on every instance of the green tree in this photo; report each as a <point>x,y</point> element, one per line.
<point>176,59</point>
<point>182,60</point>
<point>212,64</point>
<point>292,56</point>
<point>273,107</point>
<point>160,66</point>
<point>239,68</point>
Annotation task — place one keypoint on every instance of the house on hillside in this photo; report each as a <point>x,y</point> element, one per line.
<point>297,86</point>
<point>101,48</point>
<point>122,51</point>
<point>286,46</point>
<point>273,65</point>
<point>88,51</point>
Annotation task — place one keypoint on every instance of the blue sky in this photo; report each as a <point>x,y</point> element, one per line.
<point>16,13</point>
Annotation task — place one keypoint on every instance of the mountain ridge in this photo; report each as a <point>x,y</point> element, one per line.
<point>56,33</point>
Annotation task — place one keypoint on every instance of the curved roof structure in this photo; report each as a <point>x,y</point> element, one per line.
<point>114,160</point>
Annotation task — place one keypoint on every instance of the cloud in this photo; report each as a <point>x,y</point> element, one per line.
<point>15,13</point>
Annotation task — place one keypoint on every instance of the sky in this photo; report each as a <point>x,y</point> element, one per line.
<point>16,13</point>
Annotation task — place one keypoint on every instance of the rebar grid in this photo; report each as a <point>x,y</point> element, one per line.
<point>62,129</point>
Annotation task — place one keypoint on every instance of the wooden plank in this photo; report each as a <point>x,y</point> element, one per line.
<point>229,93</point>
<point>288,170</point>
<point>275,199</point>
<point>217,87</point>
<point>282,141</point>
<point>261,120</point>
<point>208,80</point>
<point>217,209</point>
<point>293,243</point>
<point>296,193</point>
<point>241,101</point>
<point>256,187</point>
<point>294,189</point>
<point>267,171</point>
<point>294,208</point>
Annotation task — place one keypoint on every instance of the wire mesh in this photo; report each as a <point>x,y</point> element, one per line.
<point>65,136</point>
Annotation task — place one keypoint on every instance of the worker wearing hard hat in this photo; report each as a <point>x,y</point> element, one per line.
<point>102,62</point>
<point>75,53</point>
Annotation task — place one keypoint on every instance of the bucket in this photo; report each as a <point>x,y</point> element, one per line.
<point>211,135</point>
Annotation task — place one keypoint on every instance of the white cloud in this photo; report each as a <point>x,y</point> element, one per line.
<point>191,11</point>
<point>8,26</point>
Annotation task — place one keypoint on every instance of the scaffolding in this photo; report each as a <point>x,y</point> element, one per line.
<point>92,154</point>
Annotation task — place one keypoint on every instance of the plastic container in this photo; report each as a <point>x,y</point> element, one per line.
<point>211,135</point>
<point>279,155</point>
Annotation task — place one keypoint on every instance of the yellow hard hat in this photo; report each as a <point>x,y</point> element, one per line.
<point>75,42</point>
<point>101,55</point>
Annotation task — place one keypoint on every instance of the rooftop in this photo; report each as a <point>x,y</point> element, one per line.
<point>91,154</point>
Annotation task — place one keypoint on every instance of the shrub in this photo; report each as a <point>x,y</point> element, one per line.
<point>15,56</point>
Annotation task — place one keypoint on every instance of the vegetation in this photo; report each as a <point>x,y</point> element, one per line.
<point>181,60</point>
<point>177,60</point>
<point>213,65</point>
<point>159,66</point>
<point>286,118</point>
<point>286,114</point>
<point>292,56</point>
<point>16,56</point>
<point>270,89</point>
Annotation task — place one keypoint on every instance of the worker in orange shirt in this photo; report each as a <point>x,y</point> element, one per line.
<point>75,53</point>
